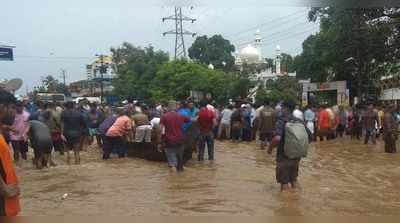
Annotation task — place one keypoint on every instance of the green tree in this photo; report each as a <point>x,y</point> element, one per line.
<point>176,79</point>
<point>136,68</point>
<point>352,45</point>
<point>51,85</point>
<point>273,91</point>
<point>287,63</point>
<point>214,50</point>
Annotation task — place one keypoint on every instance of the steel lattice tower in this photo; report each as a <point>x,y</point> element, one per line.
<point>179,31</point>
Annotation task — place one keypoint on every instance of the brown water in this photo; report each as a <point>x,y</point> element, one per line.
<point>338,178</point>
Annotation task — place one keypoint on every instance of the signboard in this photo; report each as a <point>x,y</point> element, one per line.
<point>340,86</point>
<point>6,54</point>
<point>390,94</point>
<point>343,94</point>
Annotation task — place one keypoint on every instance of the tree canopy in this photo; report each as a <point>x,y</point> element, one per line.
<point>146,74</point>
<point>214,50</point>
<point>273,91</point>
<point>51,85</point>
<point>176,79</point>
<point>136,68</point>
<point>353,44</point>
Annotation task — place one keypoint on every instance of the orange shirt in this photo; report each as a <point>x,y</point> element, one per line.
<point>324,120</point>
<point>121,127</point>
<point>12,207</point>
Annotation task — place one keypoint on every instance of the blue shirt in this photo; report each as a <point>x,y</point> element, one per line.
<point>185,112</point>
<point>31,108</point>
<point>309,115</point>
<point>194,112</point>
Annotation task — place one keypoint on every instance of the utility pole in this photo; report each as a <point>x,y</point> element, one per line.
<point>179,31</point>
<point>64,76</point>
<point>103,70</point>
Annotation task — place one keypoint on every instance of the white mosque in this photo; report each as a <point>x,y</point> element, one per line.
<point>252,54</point>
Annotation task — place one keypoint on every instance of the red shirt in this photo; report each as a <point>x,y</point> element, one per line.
<point>206,120</point>
<point>173,122</point>
<point>324,120</point>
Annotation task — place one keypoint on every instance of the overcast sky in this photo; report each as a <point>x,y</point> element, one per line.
<point>51,35</point>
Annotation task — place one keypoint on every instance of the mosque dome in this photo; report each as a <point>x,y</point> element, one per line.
<point>250,54</point>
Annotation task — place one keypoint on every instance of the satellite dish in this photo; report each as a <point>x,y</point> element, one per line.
<point>13,85</point>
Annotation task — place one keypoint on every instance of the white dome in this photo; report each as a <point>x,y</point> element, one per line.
<point>250,54</point>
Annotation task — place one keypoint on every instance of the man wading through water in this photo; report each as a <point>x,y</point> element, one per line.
<point>267,124</point>
<point>292,139</point>
<point>9,189</point>
<point>173,137</point>
<point>71,130</point>
<point>19,137</point>
<point>390,127</point>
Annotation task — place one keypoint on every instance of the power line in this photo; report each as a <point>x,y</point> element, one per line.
<point>282,36</point>
<point>286,29</point>
<point>265,23</point>
<point>275,26</point>
<point>215,17</point>
<point>289,36</point>
<point>278,30</point>
<point>277,34</point>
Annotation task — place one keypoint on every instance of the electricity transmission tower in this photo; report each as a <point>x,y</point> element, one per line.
<point>179,31</point>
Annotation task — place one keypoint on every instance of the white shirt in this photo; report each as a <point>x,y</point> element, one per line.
<point>226,116</point>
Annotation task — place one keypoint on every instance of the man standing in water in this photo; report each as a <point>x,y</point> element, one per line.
<point>19,137</point>
<point>171,127</point>
<point>225,124</point>
<point>324,123</point>
<point>71,130</point>
<point>390,130</point>
<point>9,189</point>
<point>237,123</point>
<point>206,123</point>
<point>267,124</point>
<point>291,138</point>
<point>370,120</point>
<point>309,118</point>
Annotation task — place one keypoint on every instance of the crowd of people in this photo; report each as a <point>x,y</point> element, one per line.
<point>176,127</point>
<point>245,122</point>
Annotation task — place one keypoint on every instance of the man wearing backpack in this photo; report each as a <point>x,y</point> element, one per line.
<point>267,124</point>
<point>292,139</point>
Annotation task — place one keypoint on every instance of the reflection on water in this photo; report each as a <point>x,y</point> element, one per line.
<point>338,178</point>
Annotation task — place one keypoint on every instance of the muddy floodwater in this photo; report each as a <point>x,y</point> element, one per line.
<point>339,177</point>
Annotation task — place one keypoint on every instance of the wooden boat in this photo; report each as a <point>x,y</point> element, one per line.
<point>150,152</point>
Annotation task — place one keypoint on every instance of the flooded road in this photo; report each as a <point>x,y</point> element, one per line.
<point>338,178</point>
